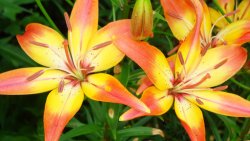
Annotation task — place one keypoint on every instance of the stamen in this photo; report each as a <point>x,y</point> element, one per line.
<point>232,13</point>
<point>199,101</point>
<point>220,18</point>
<point>204,49</point>
<point>173,50</point>
<point>220,88</point>
<point>35,75</point>
<point>207,76</point>
<point>66,16</point>
<point>220,64</point>
<point>61,86</point>
<point>225,6</point>
<point>39,44</point>
<point>68,56</point>
<point>102,45</point>
<point>181,58</point>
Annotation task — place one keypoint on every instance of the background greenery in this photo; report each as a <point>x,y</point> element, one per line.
<point>21,116</point>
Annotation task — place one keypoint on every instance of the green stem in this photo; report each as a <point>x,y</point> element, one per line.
<point>240,84</point>
<point>39,4</point>
<point>113,12</point>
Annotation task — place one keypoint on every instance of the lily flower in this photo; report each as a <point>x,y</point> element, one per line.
<point>239,12</point>
<point>180,16</point>
<point>70,66</point>
<point>188,80</point>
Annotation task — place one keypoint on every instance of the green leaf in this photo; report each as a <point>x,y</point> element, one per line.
<point>139,131</point>
<point>78,131</point>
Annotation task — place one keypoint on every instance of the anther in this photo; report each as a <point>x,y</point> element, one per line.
<point>35,75</point>
<point>231,13</point>
<point>220,88</point>
<point>225,6</point>
<point>207,76</point>
<point>204,49</point>
<point>199,101</point>
<point>39,44</point>
<point>66,16</point>
<point>220,64</point>
<point>61,86</point>
<point>181,58</point>
<point>102,45</point>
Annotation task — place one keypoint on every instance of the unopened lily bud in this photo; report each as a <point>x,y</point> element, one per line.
<point>142,20</point>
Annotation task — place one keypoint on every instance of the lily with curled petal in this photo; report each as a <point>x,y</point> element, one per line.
<point>180,15</point>
<point>185,80</point>
<point>70,66</point>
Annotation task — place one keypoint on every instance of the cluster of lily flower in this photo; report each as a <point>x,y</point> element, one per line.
<point>188,79</point>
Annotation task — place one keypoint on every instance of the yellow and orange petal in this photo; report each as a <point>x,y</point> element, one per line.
<point>191,118</point>
<point>44,45</point>
<point>180,16</point>
<point>217,19</point>
<point>235,33</point>
<point>189,53</point>
<point>244,10</point>
<point>150,59</point>
<point>220,63</point>
<point>106,88</point>
<point>159,102</point>
<point>99,53</point>
<point>30,80</point>
<point>84,24</point>
<point>220,102</point>
<point>60,107</point>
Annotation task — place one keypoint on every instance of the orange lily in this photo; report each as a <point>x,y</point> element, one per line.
<point>186,78</point>
<point>239,12</point>
<point>70,66</point>
<point>180,16</point>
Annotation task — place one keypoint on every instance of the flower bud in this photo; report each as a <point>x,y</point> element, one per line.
<point>142,20</point>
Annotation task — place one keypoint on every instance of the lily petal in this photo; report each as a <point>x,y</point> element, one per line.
<point>220,102</point>
<point>150,59</point>
<point>206,23</point>
<point>99,54</point>
<point>233,33</point>
<point>180,16</point>
<point>189,53</point>
<point>159,102</point>
<point>84,24</point>
<point>29,80</point>
<point>216,18</point>
<point>60,107</point>
<point>191,118</point>
<point>44,45</point>
<point>104,87</point>
<point>244,10</point>
<point>220,63</point>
